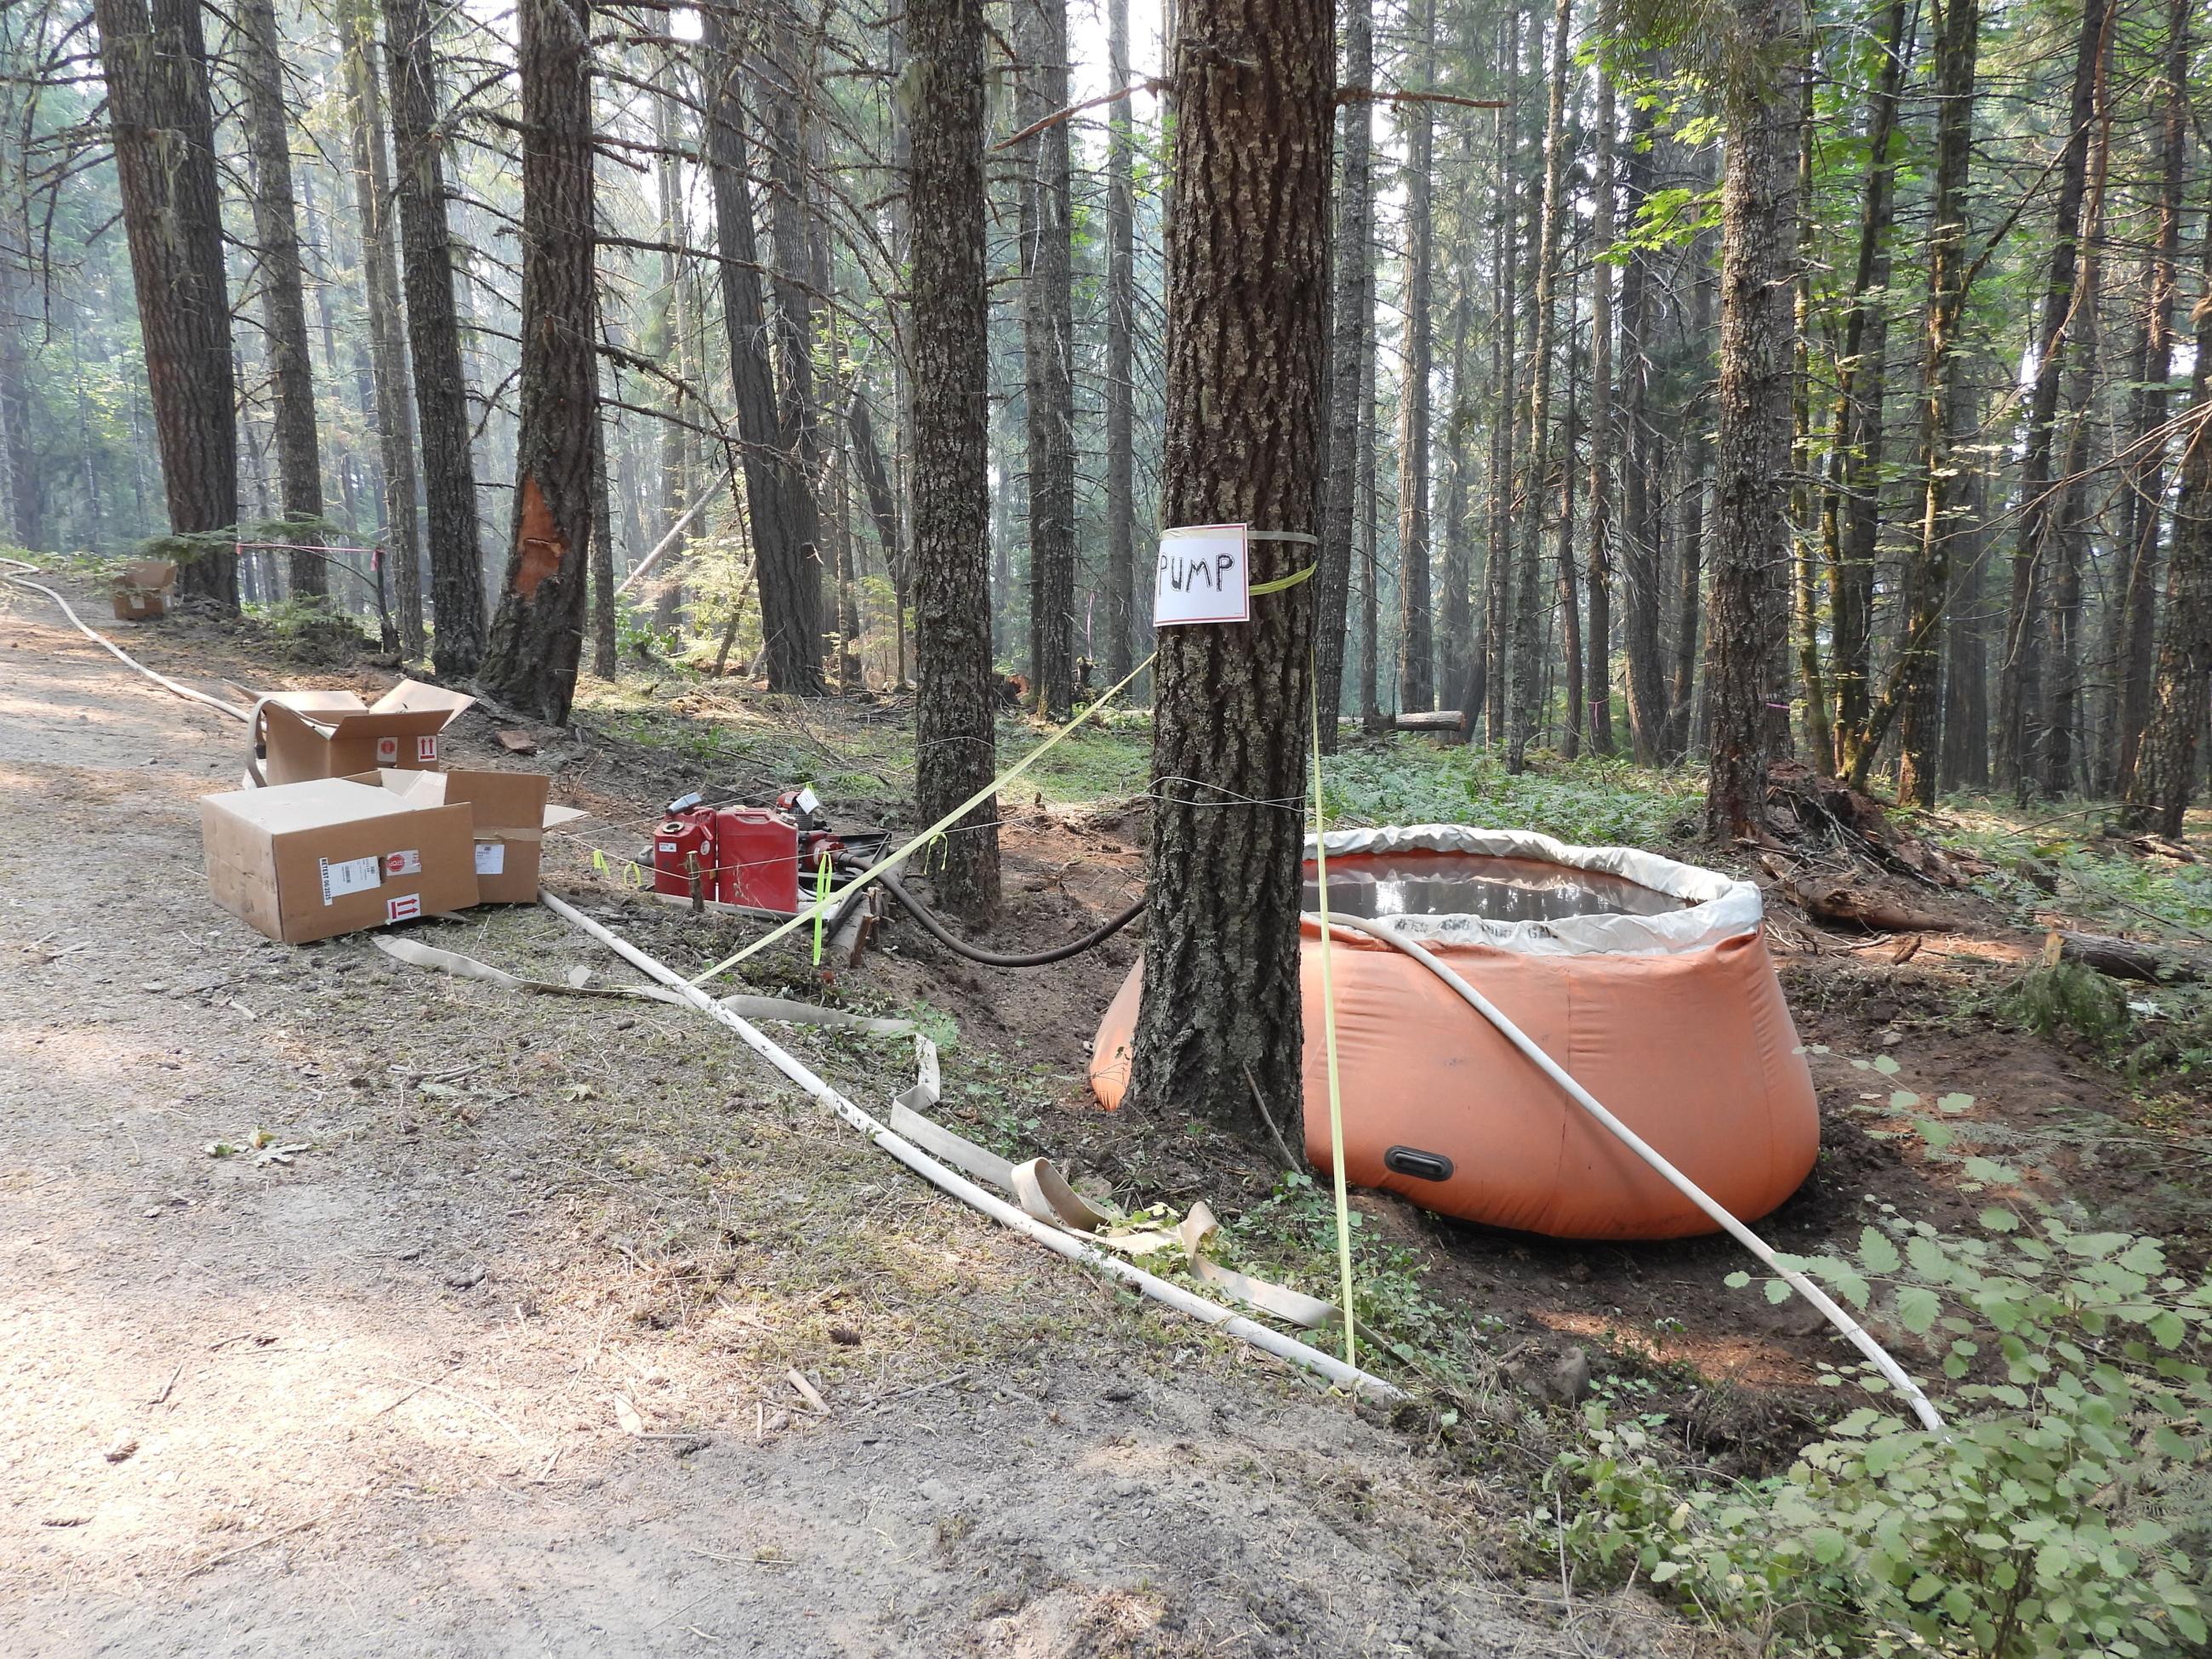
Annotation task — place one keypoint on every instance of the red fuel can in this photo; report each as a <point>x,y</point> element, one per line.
<point>757,858</point>
<point>680,844</point>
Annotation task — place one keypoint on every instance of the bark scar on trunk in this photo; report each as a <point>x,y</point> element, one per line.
<point>540,543</point>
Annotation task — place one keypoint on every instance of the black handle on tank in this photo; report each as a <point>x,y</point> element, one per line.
<point>1422,1166</point>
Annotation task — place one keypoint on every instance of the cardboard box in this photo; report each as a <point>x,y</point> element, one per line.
<point>510,817</point>
<point>309,860</point>
<point>297,735</point>
<point>141,592</point>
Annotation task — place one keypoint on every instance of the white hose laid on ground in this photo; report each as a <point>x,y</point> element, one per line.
<point>1060,1243</point>
<point>1681,1183</point>
<point>114,649</point>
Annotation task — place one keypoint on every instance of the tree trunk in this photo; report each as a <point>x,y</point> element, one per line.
<point>1048,353</point>
<point>393,399</point>
<point>2062,711</point>
<point>2158,793</point>
<point>784,569</point>
<point>1121,360</point>
<point>1689,575</point>
<point>1498,584</point>
<point>1851,516</point>
<point>605,663</point>
<point>155,65</point>
<point>1750,450</point>
<point>1417,685</point>
<point>1640,562</point>
<point>1527,614</point>
<point>1352,346</point>
<point>2019,687</point>
<point>1602,434</point>
<point>283,303</point>
<point>1368,516</point>
<point>1571,622</point>
<point>1455,642</point>
<point>2134,633</point>
<point>1915,677</point>
<point>955,736</point>
<point>433,334</point>
<point>19,325</point>
<point>537,637</point>
<point>676,484</point>
<point>795,648</point>
<point>1218,1021</point>
<point>883,508</point>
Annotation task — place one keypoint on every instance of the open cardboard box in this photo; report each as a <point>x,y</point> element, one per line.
<point>299,735</point>
<point>309,860</point>
<point>510,817</point>
<point>141,592</point>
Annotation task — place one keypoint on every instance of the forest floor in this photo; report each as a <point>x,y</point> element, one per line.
<point>499,1360</point>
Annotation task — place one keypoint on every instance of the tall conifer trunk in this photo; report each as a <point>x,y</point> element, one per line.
<point>155,64</point>
<point>954,734</point>
<point>433,334</point>
<point>1047,354</point>
<point>1248,312</point>
<point>1416,630</point>
<point>283,303</point>
<point>537,637</point>
<point>1121,360</point>
<point>1751,448</point>
<point>1352,346</point>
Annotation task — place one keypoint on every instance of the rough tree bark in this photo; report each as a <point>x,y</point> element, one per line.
<point>1417,683</point>
<point>283,303</point>
<point>2166,766</point>
<point>1048,353</point>
<point>1751,449</point>
<point>795,649</point>
<point>1248,315</point>
<point>155,64</point>
<point>1528,612</point>
<point>955,738</point>
<point>537,637</point>
<point>1850,519</point>
<point>2135,619</point>
<point>1602,432</point>
<point>1639,561</point>
<point>2019,683</point>
<point>1350,347</point>
<point>434,334</point>
<point>784,569</point>
<point>392,398</point>
<point>1121,359</point>
<point>1943,413</point>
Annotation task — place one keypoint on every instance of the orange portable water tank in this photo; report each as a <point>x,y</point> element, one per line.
<point>1648,980</point>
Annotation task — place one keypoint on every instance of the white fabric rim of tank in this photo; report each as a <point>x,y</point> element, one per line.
<point>1717,907</point>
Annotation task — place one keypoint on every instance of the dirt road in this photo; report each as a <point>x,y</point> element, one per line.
<point>496,1362</point>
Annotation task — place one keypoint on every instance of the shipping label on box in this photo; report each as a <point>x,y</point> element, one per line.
<point>310,860</point>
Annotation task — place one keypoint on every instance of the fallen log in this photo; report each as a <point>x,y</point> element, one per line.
<point>2130,959</point>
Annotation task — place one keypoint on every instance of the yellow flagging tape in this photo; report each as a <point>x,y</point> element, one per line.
<point>1282,582</point>
<point>891,861</point>
<point>1328,1022</point>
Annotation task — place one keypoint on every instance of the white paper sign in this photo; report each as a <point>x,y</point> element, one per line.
<point>1205,576</point>
<point>491,858</point>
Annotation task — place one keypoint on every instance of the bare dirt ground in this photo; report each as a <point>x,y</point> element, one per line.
<point>496,1362</point>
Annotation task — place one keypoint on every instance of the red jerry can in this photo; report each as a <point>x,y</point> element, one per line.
<point>680,845</point>
<point>757,851</point>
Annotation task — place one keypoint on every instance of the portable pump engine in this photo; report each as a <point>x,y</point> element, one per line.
<point>770,859</point>
<point>753,856</point>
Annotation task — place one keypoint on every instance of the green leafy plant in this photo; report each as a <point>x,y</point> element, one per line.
<point>2064,1513</point>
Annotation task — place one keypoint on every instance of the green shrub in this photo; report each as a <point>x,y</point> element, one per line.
<point>2064,1513</point>
<point>2068,998</point>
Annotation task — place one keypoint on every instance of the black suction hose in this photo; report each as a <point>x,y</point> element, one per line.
<point>944,936</point>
